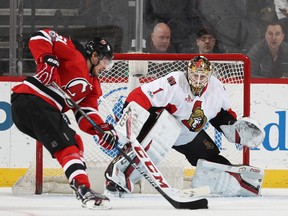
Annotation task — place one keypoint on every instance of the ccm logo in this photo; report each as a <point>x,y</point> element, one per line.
<point>149,165</point>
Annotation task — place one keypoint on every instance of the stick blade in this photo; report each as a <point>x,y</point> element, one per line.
<point>195,204</point>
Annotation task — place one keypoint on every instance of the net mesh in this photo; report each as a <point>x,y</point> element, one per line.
<point>116,84</point>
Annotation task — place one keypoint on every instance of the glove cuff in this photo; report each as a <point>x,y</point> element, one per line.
<point>50,59</point>
<point>106,126</point>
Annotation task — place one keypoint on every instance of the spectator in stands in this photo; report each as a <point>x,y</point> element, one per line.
<point>180,16</point>
<point>281,8</point>
<point>159,41</point>
<point>269,57</point>
<point>206,41</point>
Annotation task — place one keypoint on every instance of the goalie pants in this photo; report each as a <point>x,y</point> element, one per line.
<point>40,120</point>
<point>201,147</point>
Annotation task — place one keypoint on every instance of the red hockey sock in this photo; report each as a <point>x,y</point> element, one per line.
<point>73,166</point>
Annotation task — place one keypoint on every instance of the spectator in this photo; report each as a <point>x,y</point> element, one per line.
<point>281,8</point>
<point>236,31</point>
<point>269,57</point>
<point>159,41</point>
<point>180,16</point>
<point>206,41</point>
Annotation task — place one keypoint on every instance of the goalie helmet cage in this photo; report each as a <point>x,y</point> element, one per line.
<point>129,71</point>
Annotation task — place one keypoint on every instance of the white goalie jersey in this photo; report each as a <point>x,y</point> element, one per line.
<point>173,92</point>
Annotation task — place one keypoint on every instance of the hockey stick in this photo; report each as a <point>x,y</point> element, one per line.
<point>156,179</point>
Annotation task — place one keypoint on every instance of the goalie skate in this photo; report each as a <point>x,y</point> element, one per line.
<point>116,181</point>
<point>90,199</point>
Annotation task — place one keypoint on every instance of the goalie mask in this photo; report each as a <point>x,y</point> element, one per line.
<point>104,51</point>
<point>198,74</point>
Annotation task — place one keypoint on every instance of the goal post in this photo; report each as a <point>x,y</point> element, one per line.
<point>129,71</point>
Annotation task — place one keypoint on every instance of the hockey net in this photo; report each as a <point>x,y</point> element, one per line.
<point>45,175</point>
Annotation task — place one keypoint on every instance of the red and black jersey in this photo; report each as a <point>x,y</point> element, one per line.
<point>73,77</point>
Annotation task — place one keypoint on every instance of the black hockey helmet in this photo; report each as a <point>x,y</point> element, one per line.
<point>101,46</point>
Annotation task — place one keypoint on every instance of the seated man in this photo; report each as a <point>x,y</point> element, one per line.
<point>206,41</point>
<point>159,41</point>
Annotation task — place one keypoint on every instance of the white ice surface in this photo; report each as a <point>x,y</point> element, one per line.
<point>273,202</point>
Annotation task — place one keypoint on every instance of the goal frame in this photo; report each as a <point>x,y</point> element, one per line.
<point>168,57</point>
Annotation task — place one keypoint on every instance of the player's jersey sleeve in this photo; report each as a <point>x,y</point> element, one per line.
<point>48,41</point>
<point>160,92</point>
<point>138,96</point>
<point>90,106</point>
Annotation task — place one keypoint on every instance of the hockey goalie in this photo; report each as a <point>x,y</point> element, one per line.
<point>171,112</point>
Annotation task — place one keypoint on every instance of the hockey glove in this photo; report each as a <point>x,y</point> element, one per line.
<point>47,68</point>
<point>109,138</point>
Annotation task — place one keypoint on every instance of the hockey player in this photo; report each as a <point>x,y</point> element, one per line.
<point>193,98</point>
<point>37,106</point>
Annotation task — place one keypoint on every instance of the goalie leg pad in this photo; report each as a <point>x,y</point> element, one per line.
<point>226,180</point>
<point>156,143</point>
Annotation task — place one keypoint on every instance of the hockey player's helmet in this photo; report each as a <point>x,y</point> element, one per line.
<point>104,52</point>
<point>198,74</point>
<point>101,46</point>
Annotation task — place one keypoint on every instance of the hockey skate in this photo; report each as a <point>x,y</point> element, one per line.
<point>90,199</point>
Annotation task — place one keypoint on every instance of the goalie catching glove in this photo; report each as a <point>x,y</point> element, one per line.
<point>108,139</point>
<point>245,131</point>
<point>47,69</point>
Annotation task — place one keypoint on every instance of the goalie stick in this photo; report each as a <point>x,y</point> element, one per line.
<point>157,180</point>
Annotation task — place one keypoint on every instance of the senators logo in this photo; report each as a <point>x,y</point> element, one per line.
<point>197,119</point>
<point>208,144</point>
